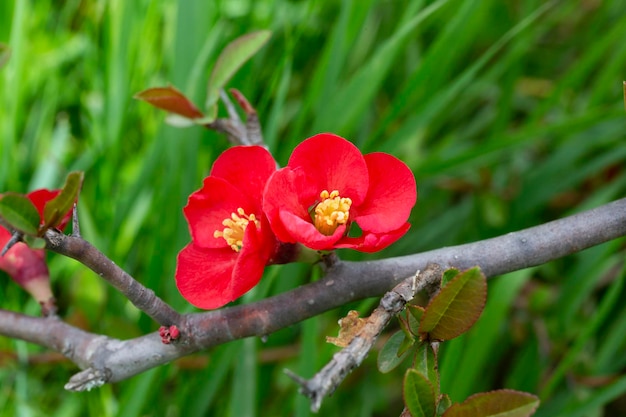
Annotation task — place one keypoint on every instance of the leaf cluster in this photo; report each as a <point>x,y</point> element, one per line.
<point>452,311</point>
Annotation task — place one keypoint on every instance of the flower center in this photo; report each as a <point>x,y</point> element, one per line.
<point>332,212</point>
<point>235,228</point>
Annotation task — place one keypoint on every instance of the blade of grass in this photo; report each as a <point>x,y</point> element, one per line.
<point>585,335</point>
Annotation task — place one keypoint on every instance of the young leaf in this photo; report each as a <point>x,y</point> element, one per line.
<point>389,356</point>
<point>414,318</point>
<point>171,100</point>
<point>500,403</point>
<point>426,364</point>
<point>419,397</point>
<point>5,54</point>
<point>231,59</point>
<point>407,343</point>
<point>18,211</point>
<point>456,307</point>
<point>55,210</point>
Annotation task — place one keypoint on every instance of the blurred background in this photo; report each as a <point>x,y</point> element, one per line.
<point>510,114</point>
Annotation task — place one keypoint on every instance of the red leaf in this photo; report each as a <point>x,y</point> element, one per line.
<point>171,100</point>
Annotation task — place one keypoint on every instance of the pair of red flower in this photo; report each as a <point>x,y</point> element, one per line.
<point>248,214</point>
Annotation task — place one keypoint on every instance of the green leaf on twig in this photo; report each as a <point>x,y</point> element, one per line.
<point>389,356</point>
<point>55,210</point>
<point>419,396</point>
<point>19,212</point>
<point>234,55</point>
<point>500,403</point>
<point>456,307</point>
<point>426,364</point>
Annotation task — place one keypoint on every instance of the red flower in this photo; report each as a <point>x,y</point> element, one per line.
<point>328,186</point>
<point>27,266</point>
<point>231,237</point>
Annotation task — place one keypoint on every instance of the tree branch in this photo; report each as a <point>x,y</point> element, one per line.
<point>343,362</point>
<point>143,298</point>
<point>111,360</point>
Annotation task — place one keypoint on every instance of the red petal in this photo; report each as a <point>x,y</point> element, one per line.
<point>372,242</point>
<point>208,207</point>
<point>41,197</point>
<point>305,232</point>
<point>391,195</point>
<point>330,162</point>
<point>246,167</point>
<point>203,276</point>
<point>21,262</point>
<point>210,278</point>
<point>254,255</point>
<point>282,194</point>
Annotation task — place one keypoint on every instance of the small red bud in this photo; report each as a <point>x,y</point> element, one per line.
<point>163,331</point>
<point>174,332</point>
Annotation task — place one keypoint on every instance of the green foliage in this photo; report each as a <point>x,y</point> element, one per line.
<point>509,113</point>
<point>390,355</point>
<point>456,307</point>
<point>234,55</point>
<point>501,403</point>
<point>56,209</point>
<point>419,396</point>
<point>451,312</point>
<point>18,211</point>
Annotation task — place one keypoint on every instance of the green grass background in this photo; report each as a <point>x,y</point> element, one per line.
<point>509,113</point>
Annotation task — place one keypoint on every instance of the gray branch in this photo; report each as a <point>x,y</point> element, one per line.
<point>109,360</point>
<point>343,362</point>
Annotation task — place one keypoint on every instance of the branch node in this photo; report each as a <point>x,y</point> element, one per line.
<point>88,379</point>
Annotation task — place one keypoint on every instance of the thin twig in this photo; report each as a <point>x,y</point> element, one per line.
<point>143,298</point>
<point>326,381</point>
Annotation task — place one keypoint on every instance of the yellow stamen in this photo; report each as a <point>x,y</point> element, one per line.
<point>332,212</point>
<point>235,228</point>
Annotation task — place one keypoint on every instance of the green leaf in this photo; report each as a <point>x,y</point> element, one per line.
<point>624,95</point>
<point>414,317</point>
<point>456,307</point>
<point>443,404</point>
<point>5,54</point>
<point>500,403</point>
<point>389,356</point>
<point>19,212</point>
<point>35,242</point>
<point>426,364</point>
<point>448,275</point>
<point>419,396</point>
<point>234,55</point>
<point>407,343</point>
<point>171,100</point>
<point>56,209</point>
